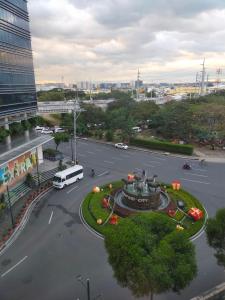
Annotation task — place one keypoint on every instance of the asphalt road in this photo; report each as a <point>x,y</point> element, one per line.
<point>55,247</point>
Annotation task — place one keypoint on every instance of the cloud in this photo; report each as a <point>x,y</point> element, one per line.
<point>110,39</point>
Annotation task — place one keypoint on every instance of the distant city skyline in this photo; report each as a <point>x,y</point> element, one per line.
<point>99,40</point>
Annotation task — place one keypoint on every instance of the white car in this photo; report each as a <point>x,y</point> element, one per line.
<point>39,128</point>
<point>59,130</point>
<point>47,131</point>
<point>121,146</point>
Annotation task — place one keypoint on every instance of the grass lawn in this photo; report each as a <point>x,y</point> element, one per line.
<point>92,209</point>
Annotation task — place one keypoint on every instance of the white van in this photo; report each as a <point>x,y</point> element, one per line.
<point>68,176</point>
<point>136,129</point>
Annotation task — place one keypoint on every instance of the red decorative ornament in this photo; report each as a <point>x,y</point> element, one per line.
<point>171,212</point>
<point>105,203</point>
<point>113,220</point>
<point>195,213</point>
<point>176,185</point>
<point>130,177</point>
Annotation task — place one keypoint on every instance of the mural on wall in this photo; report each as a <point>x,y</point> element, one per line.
<point>16,169</point>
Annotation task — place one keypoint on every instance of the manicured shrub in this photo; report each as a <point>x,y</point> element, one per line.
<point>164,146</point>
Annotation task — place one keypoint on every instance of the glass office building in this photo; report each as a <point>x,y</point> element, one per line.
<point>17,83</point>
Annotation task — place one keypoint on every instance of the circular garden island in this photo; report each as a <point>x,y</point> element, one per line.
<point>108,205</point>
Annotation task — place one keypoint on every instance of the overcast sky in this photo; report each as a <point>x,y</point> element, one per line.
<point>108,40</point>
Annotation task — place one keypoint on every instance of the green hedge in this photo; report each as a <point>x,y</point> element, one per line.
<point>165,146</point>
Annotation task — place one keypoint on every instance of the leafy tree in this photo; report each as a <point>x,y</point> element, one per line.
<point>3,134</point>
<point>61,137</point>
<point>149,256</point>
<point>143,111</point>
<point>109,135</point>
<point>215,231</point>
<point>16,128</point>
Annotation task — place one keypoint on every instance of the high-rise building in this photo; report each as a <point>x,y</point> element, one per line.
<point>17,83</point>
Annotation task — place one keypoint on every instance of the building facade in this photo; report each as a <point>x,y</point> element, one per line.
<point>17,83</point>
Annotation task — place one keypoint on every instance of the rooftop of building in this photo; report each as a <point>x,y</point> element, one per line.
<point>20,146</point>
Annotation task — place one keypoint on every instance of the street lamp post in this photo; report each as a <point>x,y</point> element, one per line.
<point>75,132</point>
<point>87,285</point>
<point>10,206</point>
<point>37,166</point>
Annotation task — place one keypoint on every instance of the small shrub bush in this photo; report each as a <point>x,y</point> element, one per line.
<point>164,146</point>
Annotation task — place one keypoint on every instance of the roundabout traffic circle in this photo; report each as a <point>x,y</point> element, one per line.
<point>106,206</point>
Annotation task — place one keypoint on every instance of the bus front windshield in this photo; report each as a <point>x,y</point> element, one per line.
<point>57,179</point>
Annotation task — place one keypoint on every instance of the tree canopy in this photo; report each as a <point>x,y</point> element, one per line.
<point>149,256</point>
<point>215,231</point>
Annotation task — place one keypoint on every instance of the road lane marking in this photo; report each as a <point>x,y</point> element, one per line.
<point>155,162</point>
<point>90,152</point>
<point>163,159</point>
<point>109,162</point>
<point>116,158</point>
<point>74,188</point>
<point>149,166</point>
<point>104,173</point>
<point>196,174</point>
<point>125,155</point>
<point>50,219</point>
<point>195,181</point>
<point>16,265</point>
<point>201,170</point>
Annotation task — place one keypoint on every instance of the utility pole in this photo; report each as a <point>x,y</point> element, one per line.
<point>202,93</point>
<point>37,166</point>
<point>75,132</point>
<point>138,80</point>
<point>10,206</point>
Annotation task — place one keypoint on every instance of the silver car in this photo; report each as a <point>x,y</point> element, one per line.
<point>121,146</point>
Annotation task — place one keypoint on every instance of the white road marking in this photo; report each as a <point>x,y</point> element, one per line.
<point>195,181</point>
<point>124,155</point>
<point>116,158</point>
<point>74,188</point>
<point>196,174</point>
<point>149,166</point>
<point>155,162</point>
<point>163,159</point>
<point>109,162</point>
<point>201,170</point>
<point>90,152</point>
<point>16,265</point>
<point>104,173</point>
<point>50,219</point>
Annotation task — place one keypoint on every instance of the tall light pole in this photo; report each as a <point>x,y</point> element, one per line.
<point>10,206</point>
<point>75,132</point>
<point>87,285</point>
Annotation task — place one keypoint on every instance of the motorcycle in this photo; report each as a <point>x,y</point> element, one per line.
<point>186,167</point>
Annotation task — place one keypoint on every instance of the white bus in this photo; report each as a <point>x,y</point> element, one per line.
<point>68,176</point>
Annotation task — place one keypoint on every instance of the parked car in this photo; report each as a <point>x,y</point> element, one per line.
<point>47,131</point>
<point>137,129</point>
<point>59,130</point>
<point>39,128</point>
<point>121,146</point>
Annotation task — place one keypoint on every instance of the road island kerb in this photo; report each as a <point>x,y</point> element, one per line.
<point>19,228</point>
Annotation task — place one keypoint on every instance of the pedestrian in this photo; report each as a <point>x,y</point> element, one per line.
<point>143,173</point>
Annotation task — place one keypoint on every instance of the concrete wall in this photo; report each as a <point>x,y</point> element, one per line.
<point>217,293</point>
